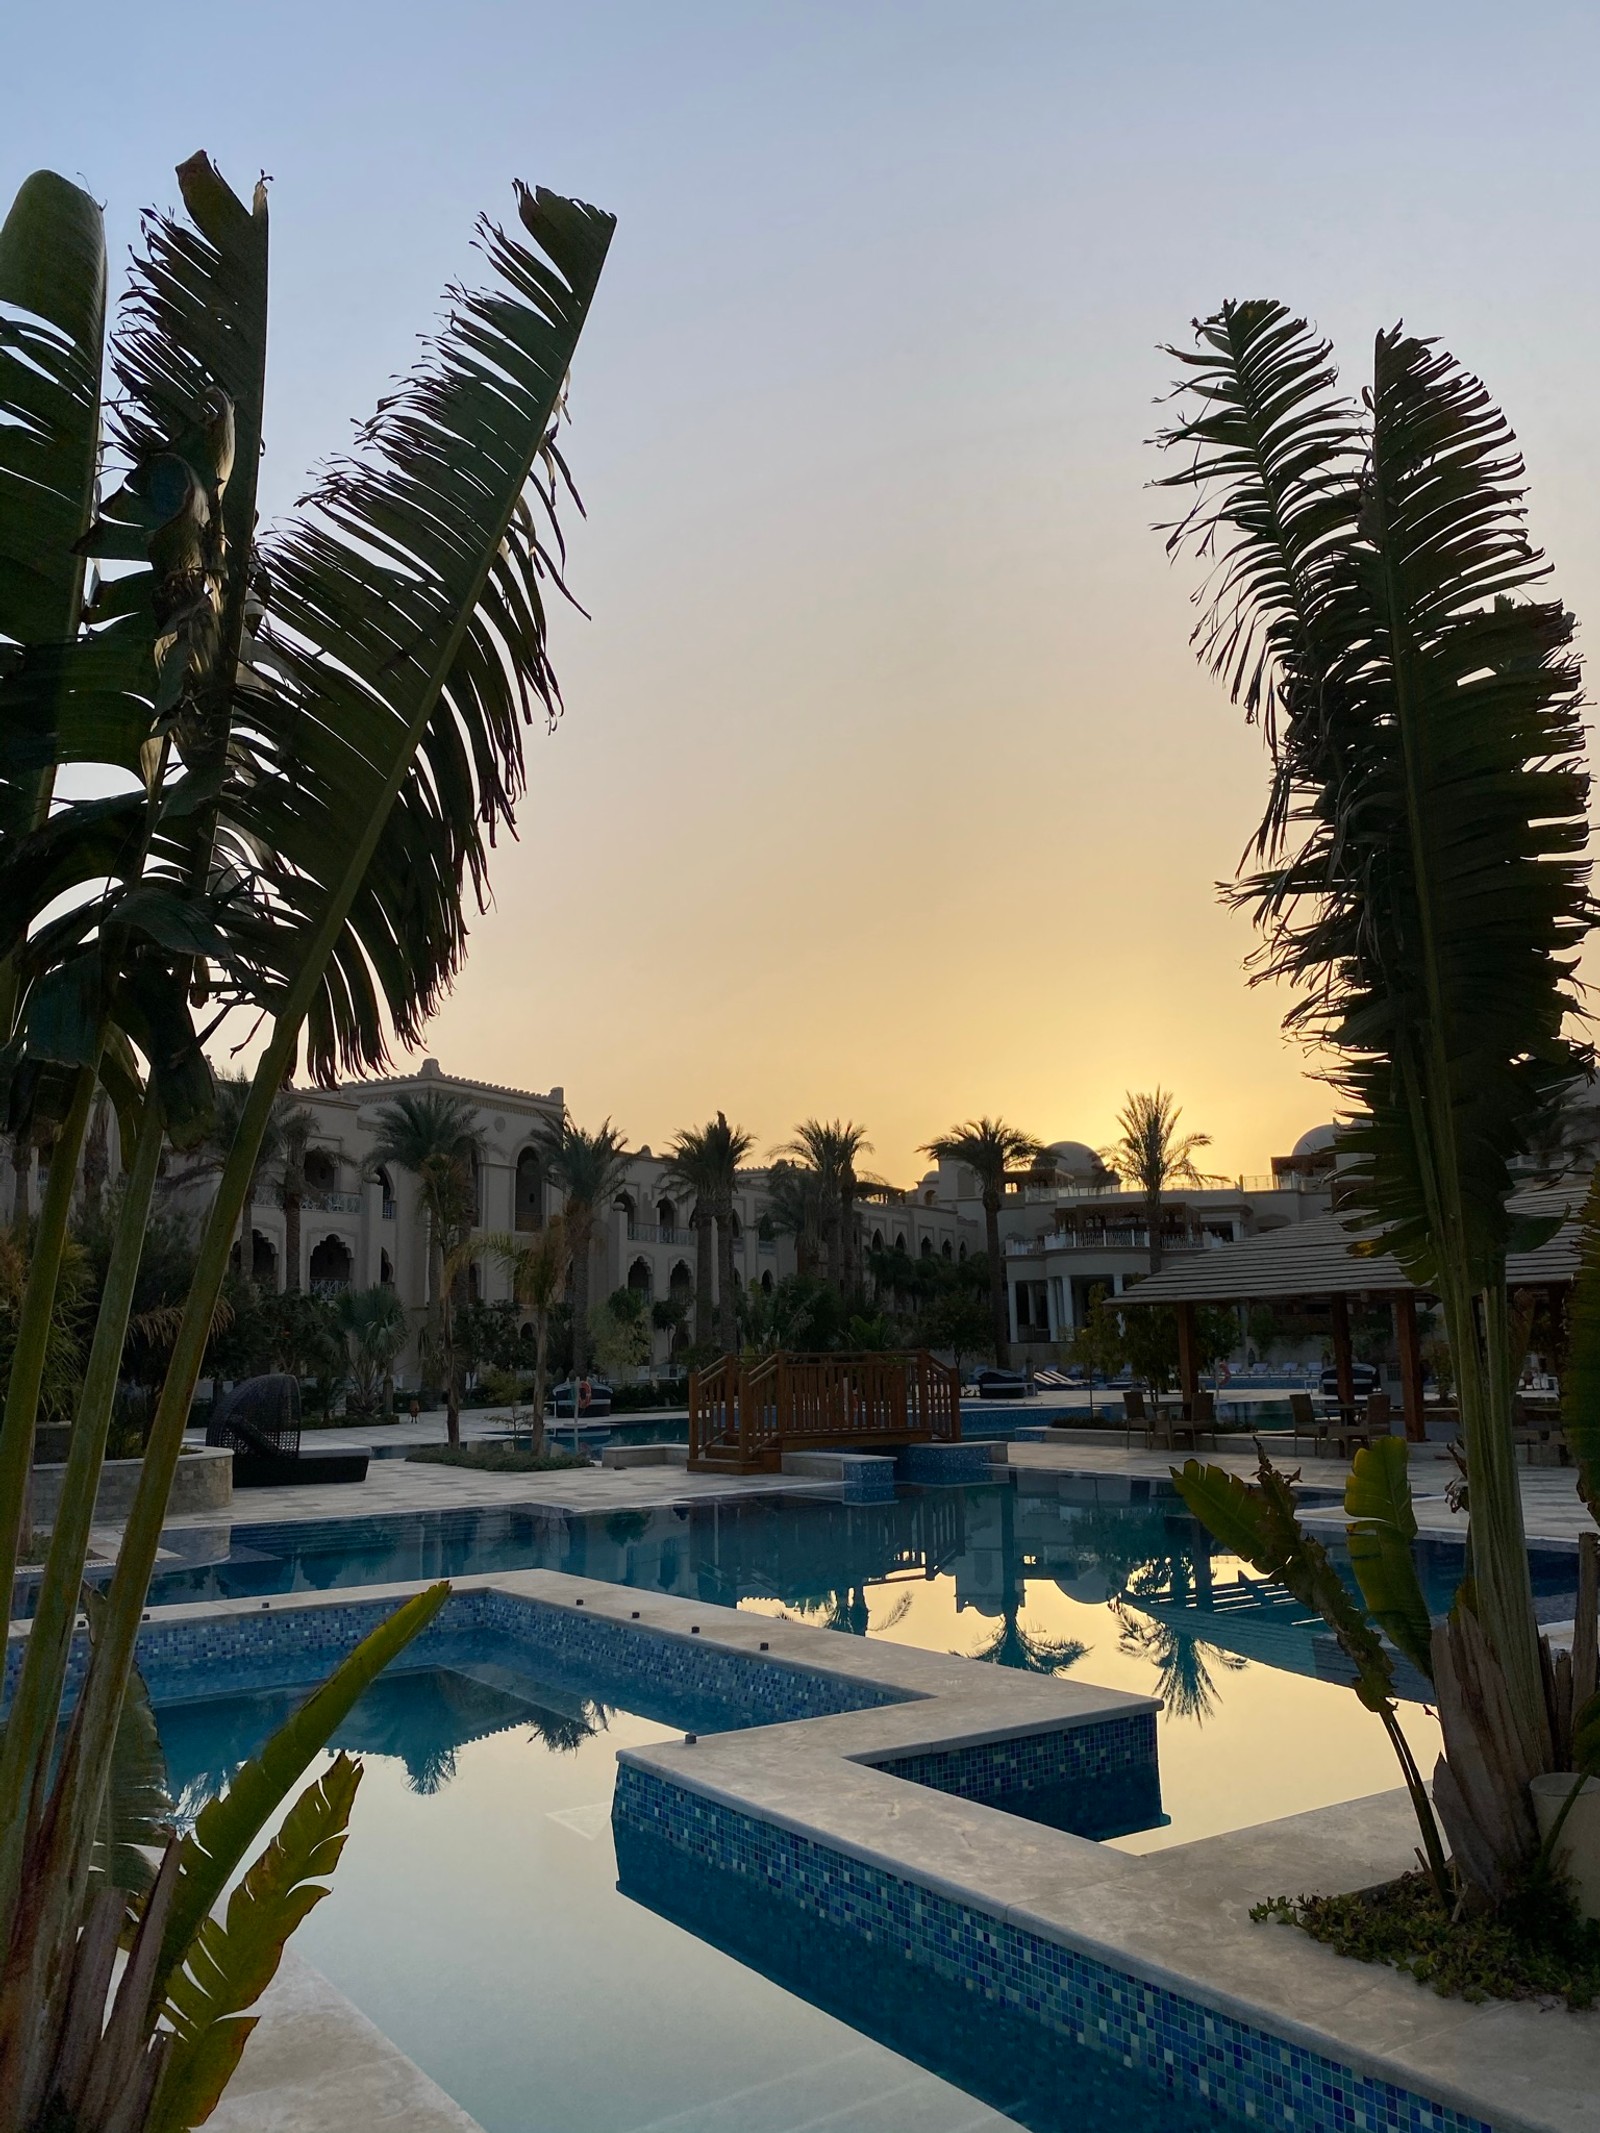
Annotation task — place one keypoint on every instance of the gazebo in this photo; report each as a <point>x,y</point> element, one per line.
<point>1323,1260</point>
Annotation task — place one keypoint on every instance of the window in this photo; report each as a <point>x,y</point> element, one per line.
<point>528,1211</point>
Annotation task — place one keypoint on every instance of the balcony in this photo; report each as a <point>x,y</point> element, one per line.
<point>658,1233</point>
<point>334,1203</point>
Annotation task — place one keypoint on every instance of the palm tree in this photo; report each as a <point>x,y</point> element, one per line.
<point>435,1136</point>
<point>540,1267</point>
<point>989,1147</point>
<point>375,1323</point>
<point>1152,1155</point>
<point>691,1166</point>
<point>1419,874</point>
<point>726,1148</point>
<point>829,1151</point>
<point>590,1169</point>
<point>294,1125</point>
<point>795,1209</point>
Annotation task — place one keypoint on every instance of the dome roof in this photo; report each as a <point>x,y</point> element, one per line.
<point>1074,1158</point>
<point>1317,1142</point>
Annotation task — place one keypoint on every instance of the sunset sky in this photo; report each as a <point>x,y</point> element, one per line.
<point>887,786</point>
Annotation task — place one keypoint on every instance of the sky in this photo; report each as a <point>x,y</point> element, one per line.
<point>887,786</point>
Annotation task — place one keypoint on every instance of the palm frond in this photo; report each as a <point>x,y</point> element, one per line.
<point>407,647</point>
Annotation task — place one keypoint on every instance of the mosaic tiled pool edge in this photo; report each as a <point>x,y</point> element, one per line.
<point>1245,2072</point>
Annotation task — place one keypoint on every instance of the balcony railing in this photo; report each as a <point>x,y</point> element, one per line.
<point>658,1233</point>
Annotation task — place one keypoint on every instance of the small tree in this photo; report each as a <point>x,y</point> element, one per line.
<point>538,1266</point>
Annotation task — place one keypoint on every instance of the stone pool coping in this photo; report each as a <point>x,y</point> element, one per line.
<point>1151,1959</point>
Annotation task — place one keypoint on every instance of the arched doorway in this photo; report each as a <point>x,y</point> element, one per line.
<point>263,1261</point>
<point>666,1214</point>
<point>322,1171</point>
<point>332,1267</point>
<point>945,1250</point>
<point>927,1247</point>
<point>641,1278</point>
<point>385,1185</point>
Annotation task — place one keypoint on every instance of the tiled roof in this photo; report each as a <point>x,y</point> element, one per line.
<point>1318,1258</point>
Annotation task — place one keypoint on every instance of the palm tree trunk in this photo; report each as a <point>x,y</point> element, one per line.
<point>727,1318</point>
<point>291,1240</point>
<point>1152,1216</point>
<point>999,1305</point>
<point>541,1373</point>
<point>705,1247</point>
<point>580,1305</point>
<point>452,1387</point>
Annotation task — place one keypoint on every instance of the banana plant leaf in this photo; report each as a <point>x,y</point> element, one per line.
<point>1383,1525</point>
<point>232,1960</point>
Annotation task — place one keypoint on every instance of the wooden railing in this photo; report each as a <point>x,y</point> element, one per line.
<point>746,1415</point>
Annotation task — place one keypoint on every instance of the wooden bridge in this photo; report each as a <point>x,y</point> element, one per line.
<point>743,1416</point>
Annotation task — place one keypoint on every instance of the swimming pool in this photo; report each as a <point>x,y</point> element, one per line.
<point>1108,1577</point>
<point>483,1918</point>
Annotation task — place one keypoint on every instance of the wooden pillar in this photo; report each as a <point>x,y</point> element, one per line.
<point>1405,1326</point>
<point>1188,1369</point>
<point>1339,1310</point>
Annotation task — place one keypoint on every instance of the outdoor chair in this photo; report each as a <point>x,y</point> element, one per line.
<point>1134,1416</point>
<point>1357,1434</point>
<point>1203,1414</point>
<point>1530,1431</point>
<point>1304,1421</point>
<point>259,1422</point>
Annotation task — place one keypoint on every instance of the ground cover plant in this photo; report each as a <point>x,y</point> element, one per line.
<point>1419,876</point>
<point>306,744</point>
<point>496,1458</point>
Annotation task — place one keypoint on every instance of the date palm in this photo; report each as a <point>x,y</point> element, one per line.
<point>291,810</point>
<point>1153,1156</point>
<point>434,1135</point>
<point>726,1148</point>
<point>829,1151</point>
<point>989,1147</point>
<point>590,1169</point>
<point>540,1267</point>
<point>1419,876</point>
<point>691,1165</point>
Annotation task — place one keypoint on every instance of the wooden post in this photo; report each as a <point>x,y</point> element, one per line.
<point>1188,1369</point>
<point>1339,1311</point>
<point>1405,1326</point>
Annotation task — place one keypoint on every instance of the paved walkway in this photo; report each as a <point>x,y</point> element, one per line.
<point>1551,1507</point>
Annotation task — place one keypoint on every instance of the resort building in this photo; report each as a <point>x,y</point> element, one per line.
<point>1068,1226</point>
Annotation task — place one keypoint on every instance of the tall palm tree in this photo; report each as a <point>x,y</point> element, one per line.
<point>435,1136</point>
<point>1151,1154</point>
<point>212,1152</point>
<point>294,1126</point>
<point>989,1147</point>
<point>589,1168</point>
<point>691,1166</point>
<point>829,1150</point>
<point>726,1148</point>
<point>540,1267</point>
<point>795,1209</point>
<point>1419,874</point>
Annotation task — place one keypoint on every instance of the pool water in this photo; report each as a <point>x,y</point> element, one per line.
<point>476,1918</point>
<point>1105,1577</point>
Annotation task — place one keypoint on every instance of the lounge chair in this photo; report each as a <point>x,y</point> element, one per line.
<point>259,1422</point>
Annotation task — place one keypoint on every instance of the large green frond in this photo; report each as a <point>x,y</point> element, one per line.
<point>1383,1525</point>
<point>409,603</point>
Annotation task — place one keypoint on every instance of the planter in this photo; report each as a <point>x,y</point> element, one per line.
<point>1578,1846</point>
<point>203,1482</point>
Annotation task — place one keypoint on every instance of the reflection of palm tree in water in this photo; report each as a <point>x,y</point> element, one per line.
<point>845,1607</point>
<point>1011,1644</point>
<point>1182,1662</point>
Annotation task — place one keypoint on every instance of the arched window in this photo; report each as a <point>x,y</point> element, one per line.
<point>529,1210</point>
<point>961,1255</point>
<point>322,1171</point>
<point>766,1283</point>
<point>927,1247</point>
<point>331,1268</point>
<point>735,1228</point>
<point>625,1201</point>
<point>666,1214</point>
<point>385,1271</point>
<point>945,1249</point>
<point>877,1240</point>
<point>386,1190</point>
<point>641,1277</point>
<point>680,1281</point>
<point>899,1240</point>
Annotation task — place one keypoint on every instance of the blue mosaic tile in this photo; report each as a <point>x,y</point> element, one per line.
<point>1233,2067</point>
<point>949,1463</point>
<point>998,1769</point>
